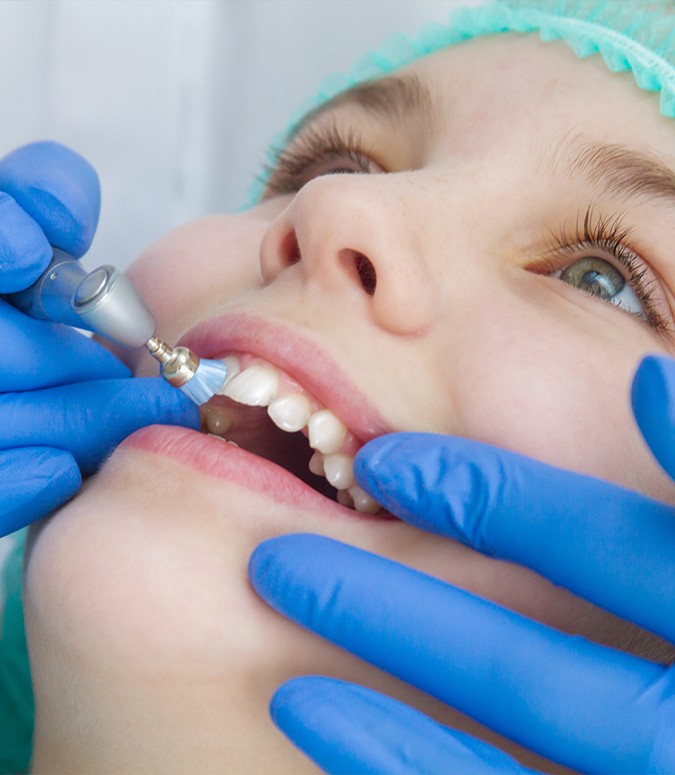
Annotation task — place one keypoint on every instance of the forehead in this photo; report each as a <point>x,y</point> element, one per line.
<point>511,86</point>
<point>524,85</point>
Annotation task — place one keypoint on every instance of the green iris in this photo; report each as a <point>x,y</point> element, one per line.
<point>595,276</point>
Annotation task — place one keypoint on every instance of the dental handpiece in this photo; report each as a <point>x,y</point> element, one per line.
<point>105,302</point>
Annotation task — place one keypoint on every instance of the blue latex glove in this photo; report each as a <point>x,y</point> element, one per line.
<point>591,708</point>
<point>65,401</point>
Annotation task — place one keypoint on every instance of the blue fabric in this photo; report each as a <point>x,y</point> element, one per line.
<point>589,707</point>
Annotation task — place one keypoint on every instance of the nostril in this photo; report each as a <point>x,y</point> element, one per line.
<point>366,272</point>
<point>290,249</point>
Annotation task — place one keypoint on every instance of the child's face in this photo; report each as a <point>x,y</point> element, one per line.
<point>141,620</point>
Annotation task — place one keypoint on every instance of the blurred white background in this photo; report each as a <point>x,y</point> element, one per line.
<point>175,101</point>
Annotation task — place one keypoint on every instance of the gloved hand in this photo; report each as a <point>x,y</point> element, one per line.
<point>591,708</point>
<point>65,401</point>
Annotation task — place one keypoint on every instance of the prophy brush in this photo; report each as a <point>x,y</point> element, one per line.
<point>104,301</point>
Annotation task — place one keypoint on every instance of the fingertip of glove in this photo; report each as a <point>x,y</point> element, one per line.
<point>653,400</point>
<point>154,396</point>
<point>59,470</point>
<point>302,696</point>
<point>375,459</point>
<point>276,553</point>
<point>42,480</point>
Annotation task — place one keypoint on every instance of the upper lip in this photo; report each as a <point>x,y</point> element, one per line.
<point>298,356</point>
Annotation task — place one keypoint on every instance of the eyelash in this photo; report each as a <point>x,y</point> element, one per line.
<point>611,236</point>
<point>318,146</point>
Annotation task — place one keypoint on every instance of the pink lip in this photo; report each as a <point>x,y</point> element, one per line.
<point>218,459</point>
<point>299,357</point>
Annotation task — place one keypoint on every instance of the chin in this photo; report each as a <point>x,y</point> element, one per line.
<point>142,624</point>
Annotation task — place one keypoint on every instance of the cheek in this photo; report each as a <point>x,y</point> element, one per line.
<point>556,394</point>
<point>190,272</point>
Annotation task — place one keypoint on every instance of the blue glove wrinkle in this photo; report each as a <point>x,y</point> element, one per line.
<point>615,553</point>
<point>46,354</point>
<point>451,644</point>
<point>346,728</point>
<point>411,491</point>
<point>89,419</point>
<point>24,249</point>
<point>58,189</point>
<point>653,398</point>
<point>35,482</point>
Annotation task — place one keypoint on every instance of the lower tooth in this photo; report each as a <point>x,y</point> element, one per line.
<point>345,499</point>
<point>363,502</point>
<point>218,421</point>
<point>316,464</point>
<point>339,470</point>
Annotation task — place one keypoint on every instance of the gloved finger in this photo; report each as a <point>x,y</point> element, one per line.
<point>58,189</point>
<point>609,545</point>
<point>653,397</point>
<point>345,728</point>
<point>33,482</point>
<point>44,354</point>
<point>589,707</point>
<point>24,249</point>
<point>89,419</point>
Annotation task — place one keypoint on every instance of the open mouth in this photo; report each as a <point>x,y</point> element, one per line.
<point>265,411</point>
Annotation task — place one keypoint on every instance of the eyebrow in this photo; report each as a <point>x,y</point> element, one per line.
<point>393,99</point>
<point>618,169</point>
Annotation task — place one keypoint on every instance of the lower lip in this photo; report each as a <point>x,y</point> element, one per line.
<point>224,461</point>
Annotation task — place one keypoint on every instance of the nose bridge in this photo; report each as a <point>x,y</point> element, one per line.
<point>362,234</point>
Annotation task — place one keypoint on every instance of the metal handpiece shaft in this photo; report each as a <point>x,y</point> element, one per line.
<point>103,301</point>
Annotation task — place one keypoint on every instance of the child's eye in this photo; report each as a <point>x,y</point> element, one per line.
<point>601,278</point>
<point>318,151</point>
<point>623,278</point>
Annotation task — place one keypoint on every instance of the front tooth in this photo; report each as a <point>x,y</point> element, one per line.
<point>255,386</point>
<point>363,502</point>
<point>290,413</point>
<point>232,364</point>
<point>218,421</point>
<point>339,470</point>
<point>326,432</point>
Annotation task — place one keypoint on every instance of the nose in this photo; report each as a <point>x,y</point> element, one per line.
<point>361,238</point>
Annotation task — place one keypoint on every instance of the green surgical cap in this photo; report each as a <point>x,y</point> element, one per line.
<point>633,35</point>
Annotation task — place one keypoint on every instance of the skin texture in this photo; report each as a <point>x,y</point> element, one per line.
<point>150,652</point>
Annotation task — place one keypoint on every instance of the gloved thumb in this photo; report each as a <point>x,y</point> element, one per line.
<point>653,398</point>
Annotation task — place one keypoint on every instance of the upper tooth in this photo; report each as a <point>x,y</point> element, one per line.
<point>232,363</point>
<point>255,386</point>
<point>339,470</point>
<point>326,432</point>
<point>290,413</point>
